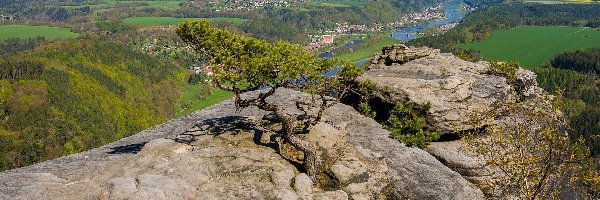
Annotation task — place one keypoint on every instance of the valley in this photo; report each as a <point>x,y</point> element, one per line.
<point>37,35</point>
<point>86,82</point>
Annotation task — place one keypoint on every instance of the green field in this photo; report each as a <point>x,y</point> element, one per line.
<point>166,5</point>
<point>561,1</point>
<point>215,97</point>
<point>155,21</point>
<point>534,45</point>
<point>26,31</point>
<point>367,52</point>
<point>343,3</point>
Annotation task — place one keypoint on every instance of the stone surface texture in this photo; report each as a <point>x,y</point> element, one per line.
<point>217,153</point>
<point>455,88</point>
<point>474,168</point>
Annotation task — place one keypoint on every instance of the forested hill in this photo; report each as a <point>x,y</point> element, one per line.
<point>68,96</point>
<point>577,74</point>
<point>586,61</point>
<point>482,3</point>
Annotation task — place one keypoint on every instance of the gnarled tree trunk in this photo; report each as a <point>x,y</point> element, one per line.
<point>289,124</point>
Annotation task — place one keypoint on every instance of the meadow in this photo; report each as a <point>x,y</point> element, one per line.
<point>217,95</point>
<point>27,31</point>
<point>367,52</point>
<point>155,21</point>
<point>561,1</point>
<point>533,46</point>
<point>164,4</point>
<point>343,3</point>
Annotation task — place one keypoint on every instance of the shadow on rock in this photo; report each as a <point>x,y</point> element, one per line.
<point>127,149</point>
<point>229,125</point>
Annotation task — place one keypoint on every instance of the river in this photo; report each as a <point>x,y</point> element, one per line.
<point>408,33</point>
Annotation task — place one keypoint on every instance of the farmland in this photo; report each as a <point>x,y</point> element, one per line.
<point>342,3</point>
<point>217,95</point>
<point>533,45</point>
<point>561,1</point>
<point>166,5</point>
<point>367,52</point>
<point>154,21</point>
<point>26,31</point>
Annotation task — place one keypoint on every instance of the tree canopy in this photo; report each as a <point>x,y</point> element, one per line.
<point>243,64</point>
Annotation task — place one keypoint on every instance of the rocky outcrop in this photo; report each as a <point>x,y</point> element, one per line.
<point>471,166</point>
<point>217,153</point>
<point>399,54</point>
<point>415,173</point>
<point>455,88</point>
<point>526,85</point>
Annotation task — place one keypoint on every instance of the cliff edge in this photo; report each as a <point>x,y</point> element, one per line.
<point>217,153</point>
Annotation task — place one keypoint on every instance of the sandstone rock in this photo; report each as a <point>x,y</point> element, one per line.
<point>303,186</point>
<point>398,54</point>
<point>332,195</point>
<point>455,88</point>
<point>328,140</point>
<point>348,164</point>
<point>349,169</point>
<point>217,153</point>
<point>161,187</point>
<point>413,172</point>
<point>30,185</point>
<point>357,191</point>
<point>326,137</point>
<point>120,188</point>
<point>527,86</point>
<point>282,175</point>
<point>470,165</point>
<point>285,194</point>
<point>516,117</point>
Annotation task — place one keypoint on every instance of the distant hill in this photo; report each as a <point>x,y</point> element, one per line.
<point>66,97</point>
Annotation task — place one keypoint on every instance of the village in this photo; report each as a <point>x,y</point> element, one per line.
<point>7,17</point>
<point>244,5</point>
<point>321,40</point>
<point>327,37</point>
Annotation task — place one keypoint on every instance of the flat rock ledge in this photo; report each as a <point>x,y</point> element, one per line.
<point>217,153</point>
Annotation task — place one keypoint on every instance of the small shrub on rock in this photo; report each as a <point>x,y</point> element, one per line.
<point>506,70</point>
<point>407,124</point>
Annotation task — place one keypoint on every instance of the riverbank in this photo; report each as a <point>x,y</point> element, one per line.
<point>359,56</point>
<point>367,52</point>
<point>452,12</point>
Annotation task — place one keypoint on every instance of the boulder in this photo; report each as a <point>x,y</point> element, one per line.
<point>303,186</point>
<point>455,88</point>
<point>332,195</point>
<point>473,167</point>
<point>526,85</point>
<point>399,54</point>
<point>414,173</point>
